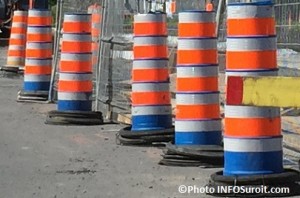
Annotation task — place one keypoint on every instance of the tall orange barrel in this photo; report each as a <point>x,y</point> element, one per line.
<point>75,85</point>
<point>197,93</point>
<point>151,100</point>
<point>17,42</point>
<point>252,137</point>
<point>37,72</point>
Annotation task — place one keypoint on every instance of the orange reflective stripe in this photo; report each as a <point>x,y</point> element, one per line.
<point>150,98</point>
<point>39,37</point>
<point>95,32</point>
<point>253,26</point>
<point>17,42</point>
<point>18,30</point>
<point>196,29</point>
<point>96,18</point>
<point>197,57</point>
<point>197,84</point>
<point>209,7</point>
<point>75,86</point>
<point>43,21</point>
<point>158,28</point>
<point>37,70</point>
<point>20,19</point>
<point>151,51</point>
<point>196,111</point>
<point>150,74</point>
<point>39,53</point>
<point>252,127</point>
<point>76,46</point>
<point>251,59</point>
<point>75,66</point>
<point>18,53</point>
<point>76,27</point>
<point>95,46</point>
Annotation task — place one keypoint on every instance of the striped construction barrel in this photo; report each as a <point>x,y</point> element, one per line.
<point>197,93</point>
<point>17,41</point>
<point>151,99</point>
<point>75,85</point>
<point>96,12</point>
<point>37,72</point>
<point>253,141</point>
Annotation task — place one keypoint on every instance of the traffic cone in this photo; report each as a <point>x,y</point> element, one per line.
<point>38,62</point>
<point>75,86</point>
<point>252,138</point>
<point>198,128</point>
<point>151,100</point>
<point>17,42</point>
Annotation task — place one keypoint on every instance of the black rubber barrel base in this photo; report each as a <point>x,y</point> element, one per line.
<point>12,69</point>
<point>74,118</point>
<point>38,96</point>
<point>288,182</point>
<point>206,156</point>
<point>144,138</point>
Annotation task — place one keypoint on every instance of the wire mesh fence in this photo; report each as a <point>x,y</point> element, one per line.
<point>113,72</point>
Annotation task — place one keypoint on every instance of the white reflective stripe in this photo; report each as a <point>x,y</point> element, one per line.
<point>252,145</point>
<point>74,96</point>
<point>75,77</point>
<point>249,11</point>
<point>17,36</point>
<point>19,25</point>
<point>183,72</point>
<point>13,58</point>
<point>39,13</point>
<point>77,37</point>
<point>20,13</point>
<point>35,45</point>
<point>147,87</point>
<point>197,17</point>
<point>38,62</point>
<point>251,44</point>
<point>37,78</point>
<point>149,18</point>
<point>147,64</point>
<point>190,99</point>
<point>252,73</point>
<point>190,44</point>
<point>251,112</point>
<point>198,125</point>
<point>141,41</point>
<point>77,17</point>
<point>151,110</point>
<point>16,47</point>
<point>42,30</point>
<point>76,57</point>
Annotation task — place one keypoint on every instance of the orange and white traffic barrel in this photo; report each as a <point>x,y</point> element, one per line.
<point>37,73</point>
<point>151,99</point>
<point>17,42</point>
<point>197,93</point>
<point>252,137</point>
<point>96,11</point>
<point>75,78</point>
<point>75,85</point>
